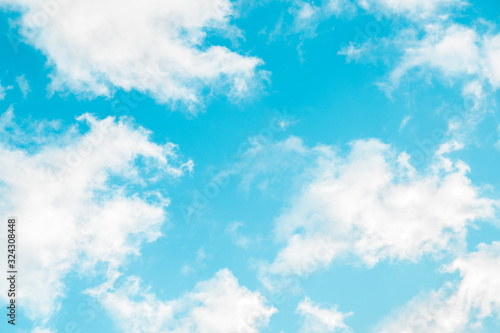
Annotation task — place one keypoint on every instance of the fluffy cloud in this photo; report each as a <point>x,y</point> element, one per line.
<point>491,62</point>
<point>452,51</point>
<point>455,308</point>
<point>372,204</point>
<point>219,305</point>
<point>75,197</point>
<point>455,51</point>
<point>156,47</point>
<point>318,320</point>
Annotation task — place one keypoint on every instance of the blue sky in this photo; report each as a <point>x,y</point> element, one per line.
<point>277,166</point>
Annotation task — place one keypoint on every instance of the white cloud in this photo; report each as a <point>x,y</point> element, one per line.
<point>219,305</point>
<point>75,197</point>
<point>23,85</point>
<point>412,9</point>
<point>304,17</point>
<point>319,320</point>
<point>3,91</point>
<point>404,122</point>
<point>199,262</point>
<point>336,7</point>
<point>261,157</point>
<point>308,15</point>
<point>355,53</point>
<point>455,308</point>
<point>157,47</point>
<point>452,51</point>
<point>373,204</point>
<point>41,131</point>
<point>41,330</point>
<point>439,48</point>
<point>454,54</point>
<point>236,237</point>
<point>497,144</point>
<point>491,64</point>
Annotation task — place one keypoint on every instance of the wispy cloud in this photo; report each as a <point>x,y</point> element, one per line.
<point>23,85</point>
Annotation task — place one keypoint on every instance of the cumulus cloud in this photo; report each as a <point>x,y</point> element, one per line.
<point>457,307</point>
<point>491,62</point>
<point>219,305</point>
<point>453,51</point>
<point>319,320</point>
<point>72,192</point>
<point>374,205</point>
<point>156,47</point>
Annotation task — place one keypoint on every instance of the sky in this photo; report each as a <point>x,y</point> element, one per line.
<point>245,166</point>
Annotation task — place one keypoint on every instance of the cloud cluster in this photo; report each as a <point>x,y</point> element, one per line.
<point>219,305</point>
<point>161,48</point>
<point>81,201</point>
<point>373,205</point>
